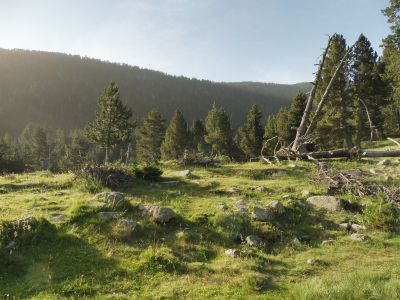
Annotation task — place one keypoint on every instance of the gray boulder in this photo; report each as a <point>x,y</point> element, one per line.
<point>276,207</point>
<point>357,227</point>
<point>262,214</point>
<point>160,214</point>
<point>58,217</point>
<point>183,173</point>
<point>360,237</point>
<point>113,198</point>
<point>253,240</point>
<point>232,252</point>
<point>329,203</point>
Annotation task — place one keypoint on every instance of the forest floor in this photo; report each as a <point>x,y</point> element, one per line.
<point>80,255</point>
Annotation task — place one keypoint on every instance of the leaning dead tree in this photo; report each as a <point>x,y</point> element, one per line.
<point>297,149</point>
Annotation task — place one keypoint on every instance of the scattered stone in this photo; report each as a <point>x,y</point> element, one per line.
<point>305,193</point>
<point>233,190</point>
<point>313,261</point>
<point>113,198</point>
<point>360,237</point>
<point>58,193</point>
<point>223,207</point>
<point>328,242</point>
<point>58,217</point>
<point>384,162</point>
<point>232,252</point>
<point>160,214</point>
<point>357,227</point>
<point>106,215</point>
<point>345,226</point>
<point>184,173</point>
<point>372,171</point>
<point>257,188</point>
<point>262,214</point>
<point>329,203</point>
<point>286,197</point>
<point>253,240</point>
<point>276,207</point>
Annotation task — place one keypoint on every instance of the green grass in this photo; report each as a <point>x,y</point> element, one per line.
<point>90,258</point>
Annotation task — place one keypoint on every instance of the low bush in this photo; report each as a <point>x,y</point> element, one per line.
<point>152,173</point>
<point>381,215</point>
<point>159,259</point>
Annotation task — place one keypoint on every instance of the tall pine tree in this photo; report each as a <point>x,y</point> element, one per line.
<point>149,138</point>
<point>176,138</point>
<point>112,126</point>
<point>251,134</point>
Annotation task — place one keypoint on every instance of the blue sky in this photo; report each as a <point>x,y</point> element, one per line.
<point>220,40</point>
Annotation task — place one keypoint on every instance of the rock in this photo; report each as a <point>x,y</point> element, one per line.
<point>106,215</point>
<point>360,237</point>
<point>253,240</point>
<point>113,198</point>
<point>357,227</point>
<point>313,261</point>
<point>372,171</point>
<point>94,203</point>
<point>241,206</point>
<point>262,214</point>
<point>58,217</point>
<point>344,226</point>
<point>160,214</point>
<point>327,242</point>
<point>305,193</point>
<point>329,203</point>
<point>257,188</point>
<point>184,173</point>
<point>223,207</point>
<point>232,252</point>
<point>286,197</point>
<point>127,225</point>
<point>58,193</point>
<point>276,207</point>
<point>280,173</point>
<point>384,162</point>
<point>233,190</point>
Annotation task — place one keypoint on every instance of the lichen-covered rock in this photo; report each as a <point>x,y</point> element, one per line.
<point>183,173</point>
<point>262,214</point>
<point>253,240</point>
<point>360,237</point>
<point>232,252</point>
<point>276,207</point>
<point>329,203</point>
<point>113,198</point>
<point>160,214</point>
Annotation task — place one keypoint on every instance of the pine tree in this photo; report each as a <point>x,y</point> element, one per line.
<point>219,131</point>
<point>335,127</point>
<point>368,88</point>
<point>270,133</point>
<point>150,137</point>
<point>176,137</point>
<point>35,147</point>
<point>282,126</point>
<point>198,132</point>
<point>251,134</point>
<point>112,125</point>
<point>295,114</point>
<point>77,152</point>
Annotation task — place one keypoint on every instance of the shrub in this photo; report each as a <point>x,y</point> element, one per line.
<point>231,225</point>
<point>148,173</point>
<point>108,175</point>
<point>159,259</point>
<point>381,215</point>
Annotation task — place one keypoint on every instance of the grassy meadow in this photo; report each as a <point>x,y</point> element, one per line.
<point>82,256</point>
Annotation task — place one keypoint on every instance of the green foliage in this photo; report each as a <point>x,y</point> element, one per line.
<point>152,173</point>
<point>112,125</point>
<point>219,131</point>
<point>150,137</point>
<point>231,225</point>
<point>176,138</point>
<point>381,215</point>
<point>198,132</point>
<point>252,133</point>
<point>159,260</point>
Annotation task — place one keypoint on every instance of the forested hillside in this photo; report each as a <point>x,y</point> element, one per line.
<point>62,91</point>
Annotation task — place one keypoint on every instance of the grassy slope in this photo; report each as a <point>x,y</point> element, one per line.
<point>185,259</point>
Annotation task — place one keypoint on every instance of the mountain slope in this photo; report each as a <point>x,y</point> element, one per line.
<point>62,90</point>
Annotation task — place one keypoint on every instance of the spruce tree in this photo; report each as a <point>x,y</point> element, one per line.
<point>149,138</point>
<point>336,125</point>
<point>176,137</point>
<point>198,133</point>
<point>295,114</point>
<point>112,126</point>
<point>219,131</point>
<point>251,134</point>
<point>270,133</point>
